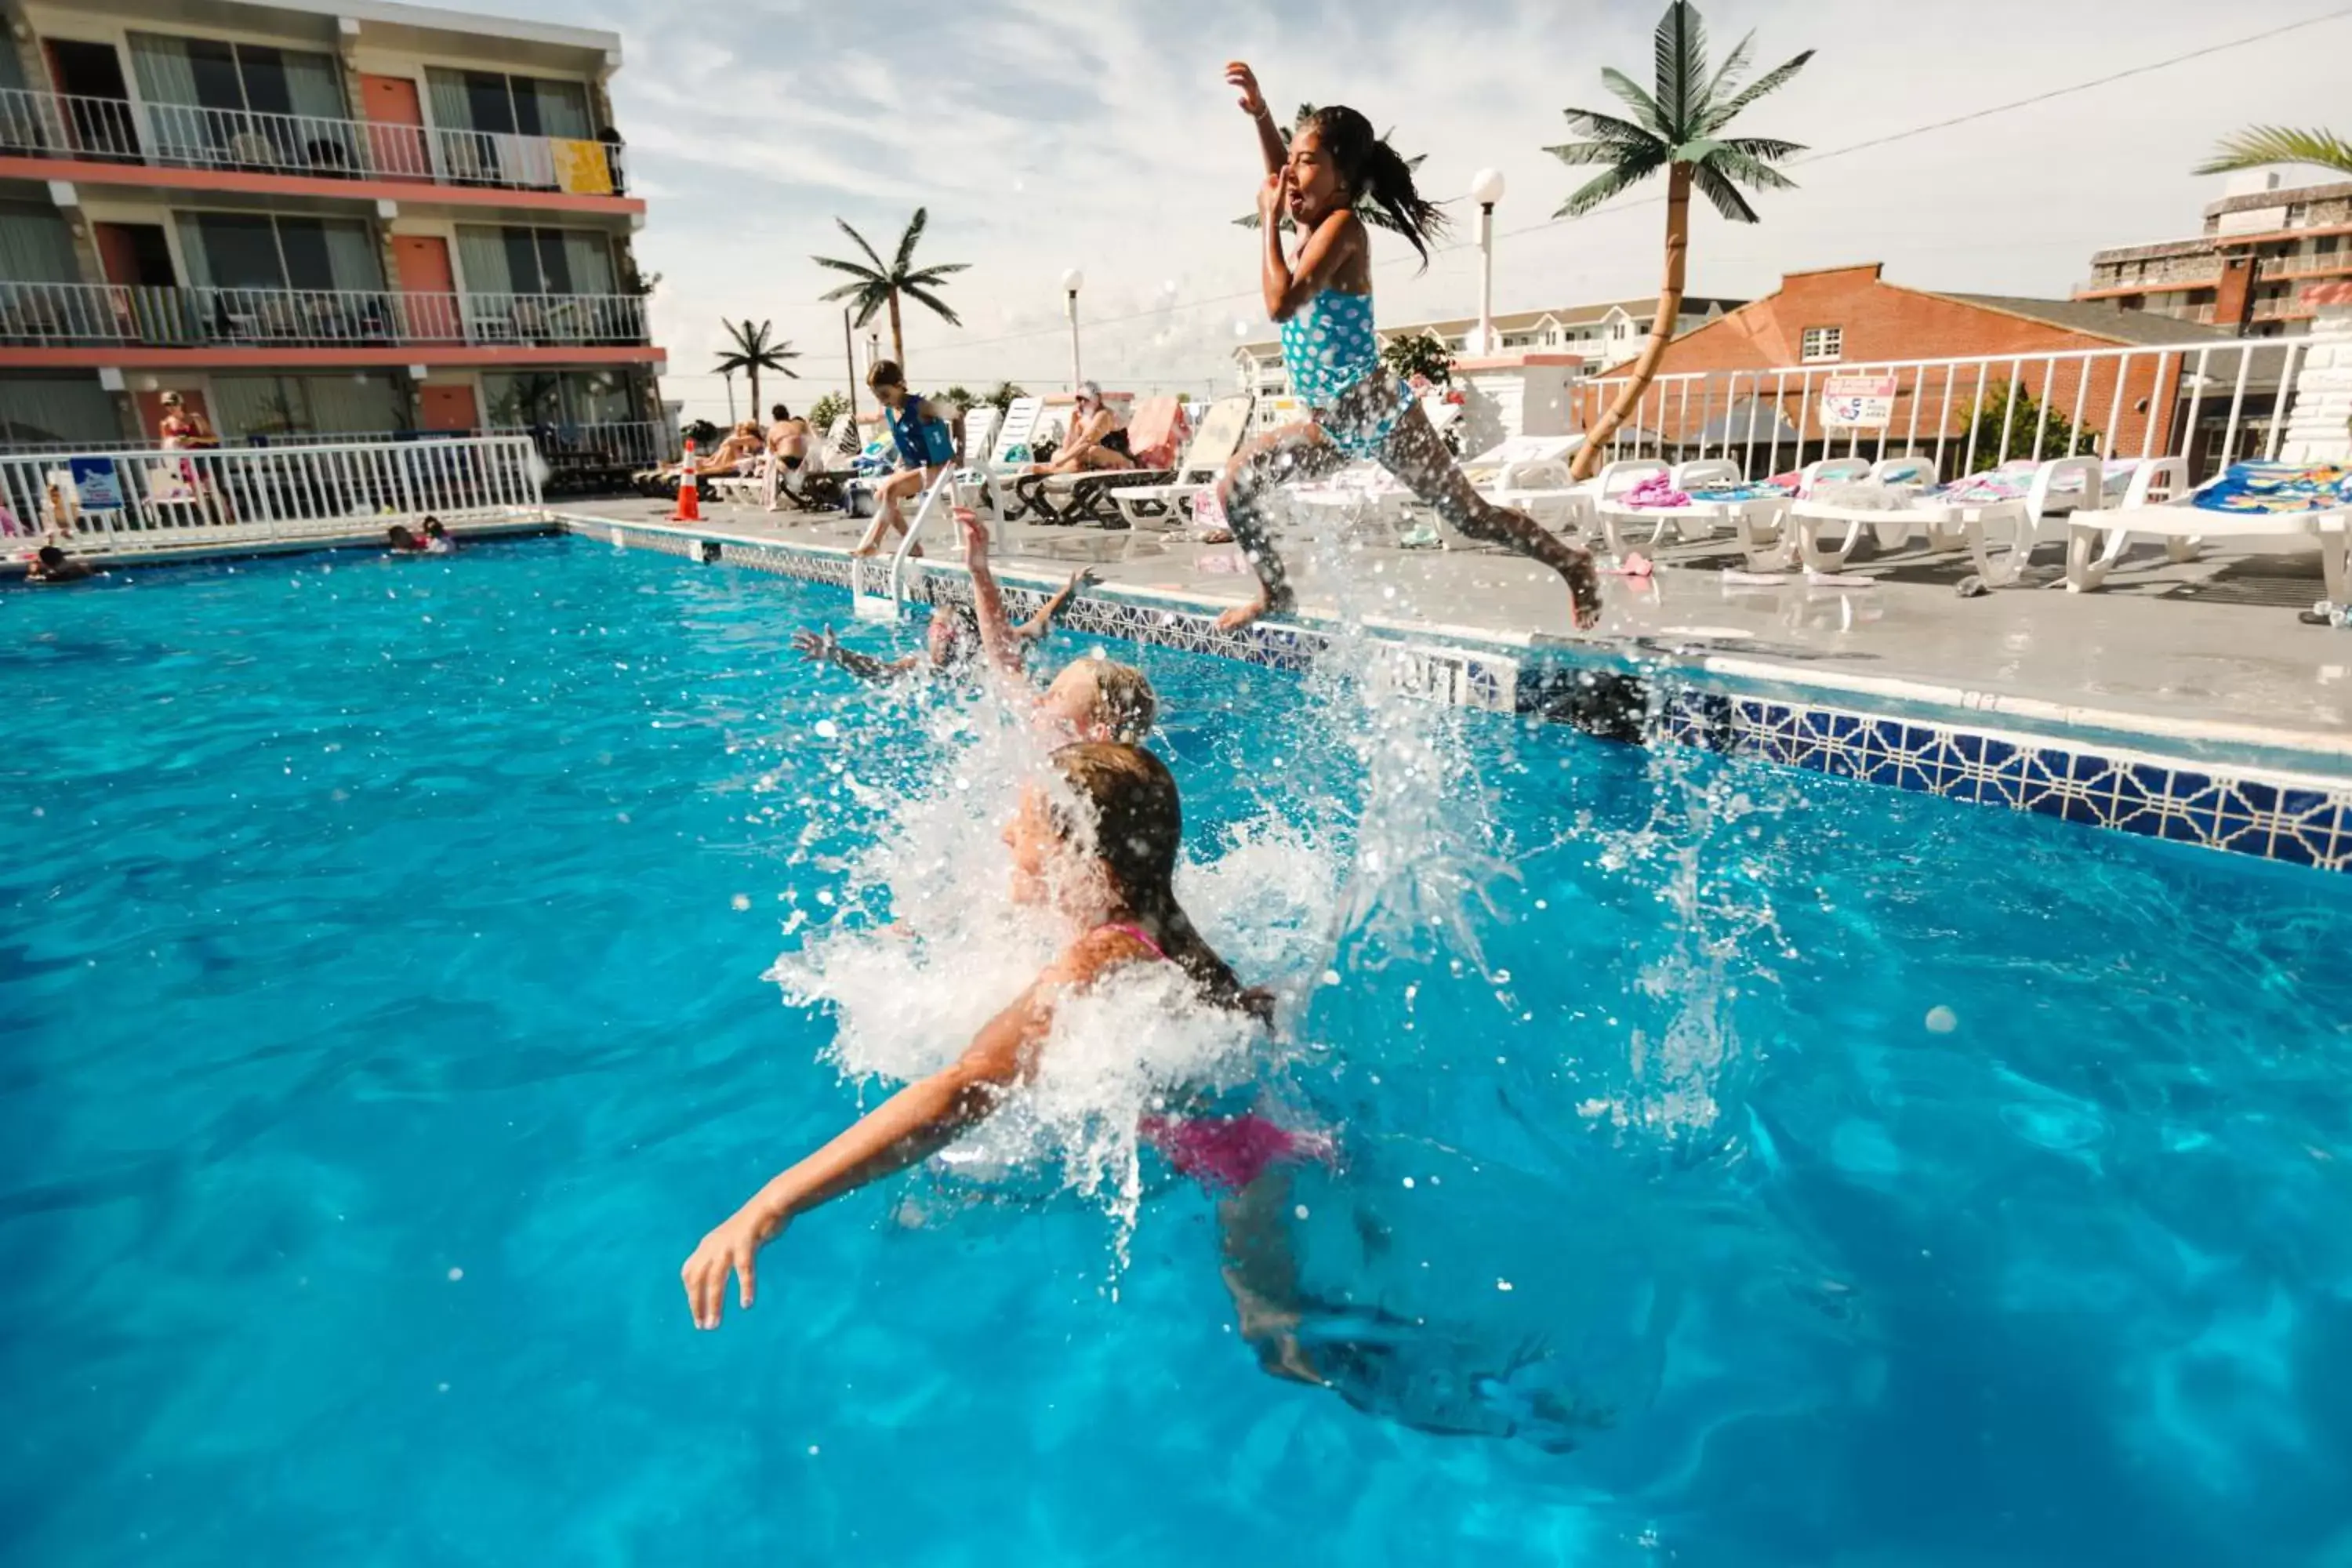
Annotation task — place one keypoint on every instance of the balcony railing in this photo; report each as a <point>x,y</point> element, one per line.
<point>2305,266</point>
<point>187,136</point>
<point>60,315</point>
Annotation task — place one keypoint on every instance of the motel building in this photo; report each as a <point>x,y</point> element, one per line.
<point>354,220</point>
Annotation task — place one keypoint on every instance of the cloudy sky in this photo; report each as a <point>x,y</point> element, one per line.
<point>1042,137</point>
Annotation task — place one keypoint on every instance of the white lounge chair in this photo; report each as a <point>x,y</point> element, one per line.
<point>980,428</point>
<point>1969,512</point>
<point>1164,500</point>
<point>988,481</point>
<point>2184,525</point>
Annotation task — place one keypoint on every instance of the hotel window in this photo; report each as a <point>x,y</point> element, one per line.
<point>1821,346</point>
<point>2325,245</point>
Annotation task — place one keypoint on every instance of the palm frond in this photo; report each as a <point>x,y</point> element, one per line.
<point>907,241</point>
<point>2260,144</point>
<point>933,274</point>
<point>1631,93</point>
<point>1728,71</point>
<point>871,254</point>
<point>1723,194</point>
<point>1581,153</point>
<point>1629,172</point>
<point>1720,115</point>
<point>855,270</point>
<point>938,305</point>
<point>1681,52</point>
<point>1753,173</point>
<point>1609,128</point>
<point>1763,148</point>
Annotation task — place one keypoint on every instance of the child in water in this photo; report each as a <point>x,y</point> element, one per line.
<point>952,645</point>
<point>1091,698</point>
<point>1099,848</point>
<point>1323,300</point>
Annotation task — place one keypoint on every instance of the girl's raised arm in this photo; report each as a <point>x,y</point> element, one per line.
<point>1269,136</point>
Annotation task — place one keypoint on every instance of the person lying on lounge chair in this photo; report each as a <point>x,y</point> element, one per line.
<point>1095,440</point>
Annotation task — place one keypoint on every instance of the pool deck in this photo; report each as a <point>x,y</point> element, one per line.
<point>2207,651</point>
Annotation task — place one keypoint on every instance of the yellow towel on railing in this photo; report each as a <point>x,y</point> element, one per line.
<point>581,168</point>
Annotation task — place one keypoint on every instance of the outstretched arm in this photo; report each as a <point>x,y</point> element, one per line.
<point>996,636</point>
<point>1037,625</point>
<point>821,647</point>
<point>1269,136</point>
<point>907,1128</point>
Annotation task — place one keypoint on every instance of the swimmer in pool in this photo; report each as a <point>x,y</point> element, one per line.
<point>951,646</point>
<point>1097,848</point>
<point>51,564</point>
<point>1091,698</point>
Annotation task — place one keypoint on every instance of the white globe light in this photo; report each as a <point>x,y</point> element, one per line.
<point>1487,187</point>
<point>1073,280</point>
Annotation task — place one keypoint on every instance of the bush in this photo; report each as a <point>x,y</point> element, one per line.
<point>826,409</point>
<point>2035,431</point>
<point>1422,353</point>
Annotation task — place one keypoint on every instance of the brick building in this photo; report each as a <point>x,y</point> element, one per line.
<point>1775,352</point>
<point>2265,245</point>
<point>314,217</point>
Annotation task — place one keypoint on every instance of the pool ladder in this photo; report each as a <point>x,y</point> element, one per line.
<point>885,600</point>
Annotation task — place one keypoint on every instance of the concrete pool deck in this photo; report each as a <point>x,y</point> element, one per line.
<point>2210,650</point>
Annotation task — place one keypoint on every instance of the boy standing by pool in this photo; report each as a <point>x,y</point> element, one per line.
<point>926,444</point>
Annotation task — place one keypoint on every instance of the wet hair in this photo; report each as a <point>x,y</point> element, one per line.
<point>1372,170</point>
<point>1134,824</point>
<point>780,413</point>
<point>399,538</point>
<point>50,555</point>
<point>1125,703</point>
<point>886,373</point>
<point>432,529</point>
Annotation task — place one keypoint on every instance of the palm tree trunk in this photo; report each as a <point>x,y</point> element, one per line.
<point>753,372</point>
<point>898,344</point>
<point>1662,329</point>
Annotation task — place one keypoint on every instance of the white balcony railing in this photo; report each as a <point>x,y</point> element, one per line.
<point>2305,266</point>
<point>2201,401</point>
<point>79,314</point>
<point>166,499</point>
<point>577,451</point>
<point>180,135</point>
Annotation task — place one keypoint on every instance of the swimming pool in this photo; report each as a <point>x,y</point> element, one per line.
<point>1880,1180</point>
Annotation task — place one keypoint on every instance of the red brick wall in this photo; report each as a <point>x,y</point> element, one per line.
<point>1881,322</point>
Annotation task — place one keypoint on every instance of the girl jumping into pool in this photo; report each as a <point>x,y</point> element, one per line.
<point>1322,298</point>
<point>1097,845</point>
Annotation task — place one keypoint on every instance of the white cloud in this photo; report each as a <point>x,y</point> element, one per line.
<point>1041,136</point>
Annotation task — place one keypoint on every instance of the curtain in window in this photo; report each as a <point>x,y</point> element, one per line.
<point>240,251</point>
<point>562,106</point>
<point>35,406</point>
<point>352,258</point>
<point>12,69</point>
<point>313,85</point>
<point>589,258</point>
<point>196,262</point>
<point>260,405</point>
<point>446,90</point>
<point>35,247</point>
<point>166,73</point>
<point>482,261</point>
<point>361,403</point>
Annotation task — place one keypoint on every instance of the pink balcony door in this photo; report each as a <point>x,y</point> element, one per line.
<point>428,286</point>
<point>395,127</point>
<point>450,407</point>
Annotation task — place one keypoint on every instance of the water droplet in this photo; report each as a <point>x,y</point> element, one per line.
<point>742,901</point>
<point>1300,1211</point>
<point>1502,1284</point>
<point>827,729</point>
<point>1408,1182</point>
<point>1942,1020</point>
<point>456,1274</point>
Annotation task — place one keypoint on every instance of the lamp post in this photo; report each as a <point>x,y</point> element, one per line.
<point>1072,281</point>
<point>1486,189</point>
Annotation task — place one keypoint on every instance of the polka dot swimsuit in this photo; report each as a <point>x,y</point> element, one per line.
<point>1329,350</point>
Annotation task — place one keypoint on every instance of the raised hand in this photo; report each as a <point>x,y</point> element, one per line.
<point>732,1248</point>
<point>1274,197</point>
<point>1239,75</point>
<point>975,533</point>
<point>815,647</point>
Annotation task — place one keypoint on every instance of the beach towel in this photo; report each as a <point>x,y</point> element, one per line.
<point>1156,433</point>
<point>1655,493</point>
<point>1739,493</point>
<point>2278,487</point>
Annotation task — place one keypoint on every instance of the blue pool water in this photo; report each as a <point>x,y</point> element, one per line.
<point>1874,1180</point>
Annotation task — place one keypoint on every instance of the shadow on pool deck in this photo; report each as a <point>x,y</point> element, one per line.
<point>2215,641</point>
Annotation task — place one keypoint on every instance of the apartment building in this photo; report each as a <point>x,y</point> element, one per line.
<point>1601,333</point>
<point>335,219</point>
<point>2265,244</point>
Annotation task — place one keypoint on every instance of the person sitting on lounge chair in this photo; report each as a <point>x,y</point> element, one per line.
<point>790,445</point>
<point>1095,440</point>
<point>731,457</point>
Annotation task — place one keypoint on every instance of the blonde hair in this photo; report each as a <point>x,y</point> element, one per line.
<point>1125,704</point>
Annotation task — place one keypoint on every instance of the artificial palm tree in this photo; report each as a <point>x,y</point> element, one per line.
<point>1367,210</point>
<point>2260,144</point>
<point>881,283</point>
<point>751,350</point>
<point>1677,127</point>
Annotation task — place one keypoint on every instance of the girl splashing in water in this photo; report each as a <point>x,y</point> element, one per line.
<point>1097,845</point>
<point>1323,300</point>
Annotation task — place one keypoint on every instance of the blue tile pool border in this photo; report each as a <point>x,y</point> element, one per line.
<point>2303,819</point>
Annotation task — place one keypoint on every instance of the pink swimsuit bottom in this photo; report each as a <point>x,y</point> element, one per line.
<point>1224,1152</point>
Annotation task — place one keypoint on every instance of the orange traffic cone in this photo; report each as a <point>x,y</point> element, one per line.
<point>689,497</point>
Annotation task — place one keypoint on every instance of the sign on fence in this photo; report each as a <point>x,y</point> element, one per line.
<point>1857,402</point>
<point>97,486</point>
